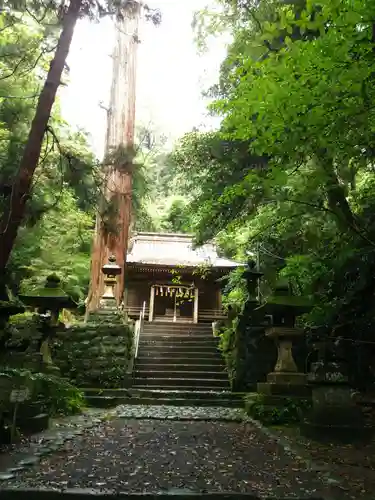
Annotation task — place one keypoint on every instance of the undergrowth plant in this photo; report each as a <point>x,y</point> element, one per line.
<point>56,395</point>
<point>287,410</point>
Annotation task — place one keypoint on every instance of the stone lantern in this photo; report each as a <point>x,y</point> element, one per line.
<point>285,308</point>
<point>252,277</point>
<point>110,271</point>
<point>49,300</point>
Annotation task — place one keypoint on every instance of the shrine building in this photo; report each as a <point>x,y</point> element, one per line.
<point>174,281</point>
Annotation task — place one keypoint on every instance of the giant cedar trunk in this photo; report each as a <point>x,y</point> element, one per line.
<point>14,213</point>
<point>118,177</point>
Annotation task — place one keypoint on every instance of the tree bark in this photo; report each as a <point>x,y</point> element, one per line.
<point>14,213</point>
<point>118,178</point>
<point>337,202</point>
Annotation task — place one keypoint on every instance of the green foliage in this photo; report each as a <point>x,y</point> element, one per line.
<point>59,396</point>
<point>60,243</point>
<point>228,347</point>
<point>289,174</point>
<point>56,234</point>
<point>285,411</point>
<point>175,219</point>
<point>56,395</point>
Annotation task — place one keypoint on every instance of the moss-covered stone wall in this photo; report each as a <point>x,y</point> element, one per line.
<point>94,355</point>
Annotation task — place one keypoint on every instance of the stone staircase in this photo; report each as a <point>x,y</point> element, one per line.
<point>179,357</point>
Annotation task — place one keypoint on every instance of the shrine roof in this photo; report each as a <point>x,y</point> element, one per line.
<point>173,249</point>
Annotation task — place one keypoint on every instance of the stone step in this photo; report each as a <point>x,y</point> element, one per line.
<point>178,338</point>
<point>94,391</point>
<point>183,329</point>
<point>167,344</point>
<point>180,333</point>
<point>175,358</point>
<point>144,386</point>
<point>106,401</point>
<point>111,401</point>
<point>172,367</point>
<point>186,394</point>
<point>163,382</point>
<point>218,375</point>
<point>177,326</point>
<point>226,403</point>
<point>181,348</point>
<point>129,393</point>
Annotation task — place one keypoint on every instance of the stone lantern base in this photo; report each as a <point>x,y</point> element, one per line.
<point>284,389</point>
<point>335,414</point>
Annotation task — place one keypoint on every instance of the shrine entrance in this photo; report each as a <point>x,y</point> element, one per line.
<point>175,303</point>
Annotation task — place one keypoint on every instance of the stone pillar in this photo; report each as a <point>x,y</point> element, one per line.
<point>152,300</point>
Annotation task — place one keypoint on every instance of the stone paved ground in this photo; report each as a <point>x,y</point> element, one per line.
<point>125,454</point>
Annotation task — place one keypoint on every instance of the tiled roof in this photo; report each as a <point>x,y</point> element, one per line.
<point>172,250</point>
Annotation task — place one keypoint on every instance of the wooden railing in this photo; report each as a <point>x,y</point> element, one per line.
<point>134,311</point>
<point>138,329</point>
<point>203,314</point>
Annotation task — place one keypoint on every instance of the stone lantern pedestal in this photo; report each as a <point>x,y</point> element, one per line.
<point>285,376</point>
<point>285,379</point>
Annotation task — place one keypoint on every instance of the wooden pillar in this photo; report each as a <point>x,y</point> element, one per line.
<point>125,302</point>
<point>219,300</point>
<point>152,300</point>
<point>195,317</point>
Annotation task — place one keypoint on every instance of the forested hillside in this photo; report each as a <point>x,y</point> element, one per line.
<point>56,232</point>
<point>291,170</point>
<point>289,174</point>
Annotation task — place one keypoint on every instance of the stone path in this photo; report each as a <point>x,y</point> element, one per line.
<point>168,455</point>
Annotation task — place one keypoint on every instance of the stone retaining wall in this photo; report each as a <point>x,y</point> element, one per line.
<point>94,355</point>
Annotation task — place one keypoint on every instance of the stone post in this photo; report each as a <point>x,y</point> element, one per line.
<point>334,414</point>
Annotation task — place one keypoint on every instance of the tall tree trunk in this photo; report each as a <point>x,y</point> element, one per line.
<point>15,211</point>
<point>118,178</point>
<point>337,202</point>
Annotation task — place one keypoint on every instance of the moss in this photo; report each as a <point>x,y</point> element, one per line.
<point>277,411</point>
<point>91,355</point>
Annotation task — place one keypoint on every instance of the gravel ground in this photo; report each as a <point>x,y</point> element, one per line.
<point>165,455</point>
<point>181,412</point>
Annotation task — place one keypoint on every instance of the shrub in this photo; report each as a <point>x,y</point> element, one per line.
<point>285,411</point>
<point>56,395</point>
<point>59,397</point>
